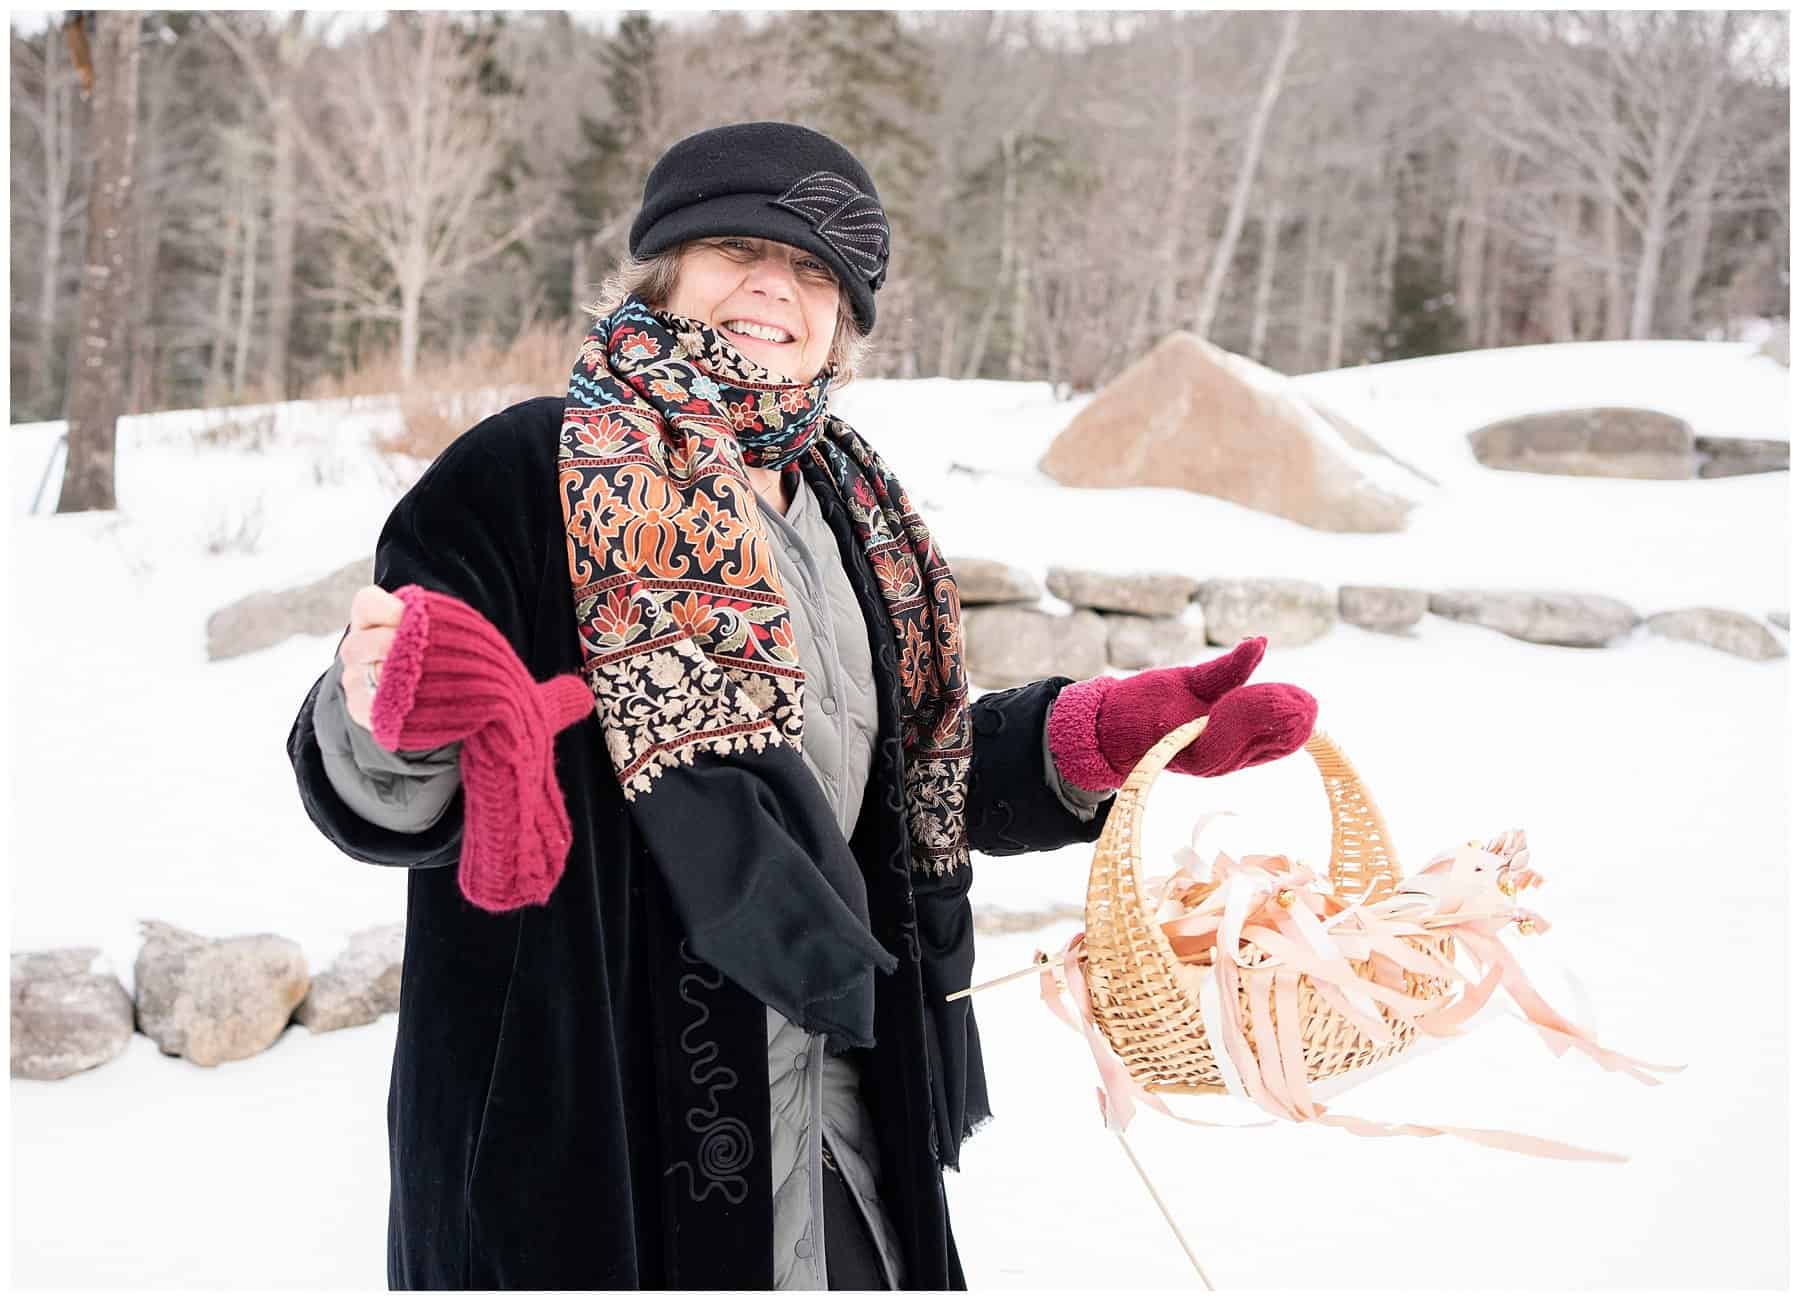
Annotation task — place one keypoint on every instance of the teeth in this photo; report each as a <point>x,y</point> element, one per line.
<point>756,331</point>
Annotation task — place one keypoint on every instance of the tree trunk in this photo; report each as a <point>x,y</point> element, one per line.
<point>1009,191</point>
<point>946,361</point>
<point>1559,307</point>
<point>1698,235</point>
<point>1265,279</point>
<point>1649,270</point>
<point>1339,286</point>
<point>97,393</point>
<point>240,354</point>
<point>283,218</point>
<point>56,169</point>
<point>1613,252</point>
<point>1472,256</point>
<point>221,322</point>
<point>1306,330</point>
<point>578,275</point>
<point>1214,287</point>
<point>412,294</point>
<point>1015,353</point>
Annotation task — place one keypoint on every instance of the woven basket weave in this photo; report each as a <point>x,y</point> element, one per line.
<point>1145,999</point>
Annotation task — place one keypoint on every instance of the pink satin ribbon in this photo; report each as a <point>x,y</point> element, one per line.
<point>1463,893</point>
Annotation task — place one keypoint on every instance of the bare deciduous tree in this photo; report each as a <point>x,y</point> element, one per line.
<point>406,166</point>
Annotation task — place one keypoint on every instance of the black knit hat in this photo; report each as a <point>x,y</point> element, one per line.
<point>770,180</point>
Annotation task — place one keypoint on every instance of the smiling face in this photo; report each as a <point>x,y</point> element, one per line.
<point>776,304</point>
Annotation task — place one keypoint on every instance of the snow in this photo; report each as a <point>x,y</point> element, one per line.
<point>1651,778</point>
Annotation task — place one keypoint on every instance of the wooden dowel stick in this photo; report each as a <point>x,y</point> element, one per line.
<point>997,980</point>
<point>1193,1259</point>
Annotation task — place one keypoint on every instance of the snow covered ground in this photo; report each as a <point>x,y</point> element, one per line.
<point>1652,780</point>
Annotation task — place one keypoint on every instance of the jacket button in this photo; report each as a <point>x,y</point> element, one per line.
<point>800,1061</point>
<point>829,704</point>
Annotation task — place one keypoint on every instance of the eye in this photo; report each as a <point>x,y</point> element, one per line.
<point>734,244</point>
<point>813,267</point>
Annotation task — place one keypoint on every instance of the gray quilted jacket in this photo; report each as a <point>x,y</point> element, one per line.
<point>815,1098</point>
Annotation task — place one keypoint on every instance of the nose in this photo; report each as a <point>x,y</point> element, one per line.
<point>770,274</point>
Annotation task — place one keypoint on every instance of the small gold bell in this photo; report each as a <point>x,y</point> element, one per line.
<point>1284,897</point>
<point>1508,886</point>
<point>1525,926</point>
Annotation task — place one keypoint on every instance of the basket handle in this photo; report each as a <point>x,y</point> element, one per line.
<point>1362,854</point>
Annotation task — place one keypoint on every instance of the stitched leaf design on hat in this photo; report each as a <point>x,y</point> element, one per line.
<point>849,220</point>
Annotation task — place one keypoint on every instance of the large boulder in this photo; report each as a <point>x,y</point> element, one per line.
<point>265,619</point>
<point>214,1001</point>
<point>1288,611</point>
<point>1723,456</point>
<point>1382,609</point>
<point>360,985</point>
<point>992,582</point>
<point>1726,630</point>
<point>1137,593</point>
<point>1134,641</point>
<point>1189,415</point>
<point>1549,618</point>
<point>67,1016</point>
<point>1614,442</point>
<point>1010,645</point>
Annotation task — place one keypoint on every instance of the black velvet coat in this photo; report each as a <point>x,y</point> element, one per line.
<point>575,1101</point>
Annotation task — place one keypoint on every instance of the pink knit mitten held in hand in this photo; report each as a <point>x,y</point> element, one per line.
<point>451,676</point>
<point>1100,728</point>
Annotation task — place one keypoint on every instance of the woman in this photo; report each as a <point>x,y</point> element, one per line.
<point>672,670</point>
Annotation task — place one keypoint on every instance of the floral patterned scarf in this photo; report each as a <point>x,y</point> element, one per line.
<point>685,633</point>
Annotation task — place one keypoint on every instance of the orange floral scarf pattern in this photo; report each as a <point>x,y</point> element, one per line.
<point>685,632</point>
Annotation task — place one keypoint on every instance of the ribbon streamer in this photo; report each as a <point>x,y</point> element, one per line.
<point>1268,922</point>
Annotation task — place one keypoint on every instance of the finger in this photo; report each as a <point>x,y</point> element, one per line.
<point>365,646</point>
<point>374,607</point>
<point>358,699</point>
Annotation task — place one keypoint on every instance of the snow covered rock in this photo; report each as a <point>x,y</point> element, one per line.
<point>992,582</point>
<point>1192,416</point>
<point>1726,630</point>
<point>1613,442</point>
<point>1134,641</point>
<point>1779,618</point>
<point>1288,611</point>
<point>1549,618</point>
<point>1723,456</point>
<point>214,1001</point>
<point>1137,593</point>
<point>1010,645</point>
<point>67,1016</point>
<point>1382,609</point>
<point>265,619</point>
<point>361,984</point>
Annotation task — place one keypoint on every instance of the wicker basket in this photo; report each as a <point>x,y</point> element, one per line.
<point>1145,999</point>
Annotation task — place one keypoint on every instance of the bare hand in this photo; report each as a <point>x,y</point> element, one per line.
<point>374,618</point>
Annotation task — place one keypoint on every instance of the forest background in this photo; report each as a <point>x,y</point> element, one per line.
<point>420,201</point>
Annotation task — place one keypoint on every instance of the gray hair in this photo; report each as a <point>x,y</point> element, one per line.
<point>652,280</point>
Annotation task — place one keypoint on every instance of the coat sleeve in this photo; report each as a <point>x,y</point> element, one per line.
<point>402,790</point>
<point>1016,805</point>
<point>472,527</point>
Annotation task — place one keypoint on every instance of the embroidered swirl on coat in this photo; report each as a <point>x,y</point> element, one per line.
<point>725,1147</point>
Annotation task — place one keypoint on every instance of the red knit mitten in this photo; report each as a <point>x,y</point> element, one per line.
<point>451,676</point>
<point>1100,728</point>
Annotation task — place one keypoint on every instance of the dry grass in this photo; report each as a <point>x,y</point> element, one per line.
<point>447,395</point>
